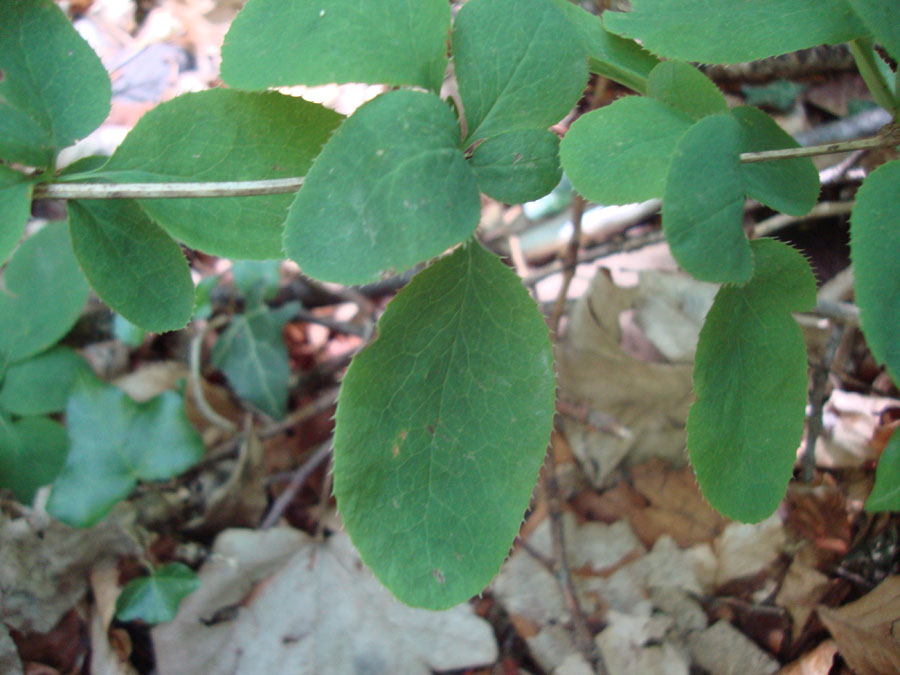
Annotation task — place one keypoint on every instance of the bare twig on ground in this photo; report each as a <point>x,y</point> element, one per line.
<point>297,480</point>
<point>817,396</point>
<point>583,638</point>
<point>203,406</point>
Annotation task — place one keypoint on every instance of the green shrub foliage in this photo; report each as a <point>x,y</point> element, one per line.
<point>443,419</point>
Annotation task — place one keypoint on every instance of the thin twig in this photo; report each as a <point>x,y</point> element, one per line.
<point>889,137</point>
<point>248,188</point>
<point>297,480</point>
<point>583,639</point>
<point>821,210</point>
<point>817,402</point>
<point>196,378</point>
<point>570,262</point>
<point>320,404</point>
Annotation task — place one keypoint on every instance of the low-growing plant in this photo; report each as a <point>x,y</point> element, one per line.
<point>444,418</point>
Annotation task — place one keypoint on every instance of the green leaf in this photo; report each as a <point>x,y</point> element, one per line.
<point>786,185</point>
<point>703,206</point>
<point>882,18</point>
<point>621,153</point>
<point>718,31</point>
<point>283,42</point>
<point>15,209</point>
<point>155,599</point>
<point>41,384</point>
<point>203,308</point>
<point>53,88</point>
<point>390,189</point>
<point>32,453</point>
<point>223,135</point>
<point>520,64</point>
<point>517,166</point>
<point>875,253</point>
<point>252,354</point>
<point>116,442</point>
<point>750,381</point>
<point>127,333</point>
<point>617,58</point>
<point>683,88</point>
<point>885,494</point>
<point>43,295</point>
<point>258,279</point>
<point>135,267</point>
<point>441,428</point>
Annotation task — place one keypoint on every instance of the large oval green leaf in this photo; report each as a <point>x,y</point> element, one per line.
<point>223,135</point>
<point>723,31</point>
<point>520,64</point>
<point>786,185</point>
<point>135,267</point>
<point>283,42</point>
<point>703,205</point>
<point>53,88</point>
<point>441,428</point>
<point>620,59</point>
<point>518,166</point>
<point>15,209</point>
<point>683,88</point>
<point>750,381</point>
<point>875,252</point>
<point>42,296</point>
<point>634,137</point>
<point>390,189</point>
<point>885,495</point>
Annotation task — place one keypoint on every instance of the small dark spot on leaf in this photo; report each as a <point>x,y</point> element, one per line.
<point>430,428</point>
<point>438,575</point>
<point>395,451</point>
<point>2,75</point>
<point>517,158</point>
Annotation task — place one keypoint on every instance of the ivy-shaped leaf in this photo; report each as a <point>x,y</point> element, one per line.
<point>41,384</point>
<point>53,88</point>
<point>520,64</point>
<point>116,442</point>
<point>135,267</point>
<point>15,209</point>
<point>517,166</point>
<point>637,136</point>
<point>42,296</point>
<point>718,31</point>
<point>875,253</point>
<point>252,354</point>
<point>703,206</point>
<point>750,381</point>
<point>155,599</point>
<point>882,18</point>
<point>32,453</point>
<point>612,56</point>
<point>441,428</point>
<point>885,494</point>
<point>258,280</point>
<point>283,42</point>
<point>390,189</point>
<point>223,135</point>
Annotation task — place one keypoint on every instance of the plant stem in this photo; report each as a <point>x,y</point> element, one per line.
<point>872,75</point>
<point>888,137</point>
<point>248,188</point>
